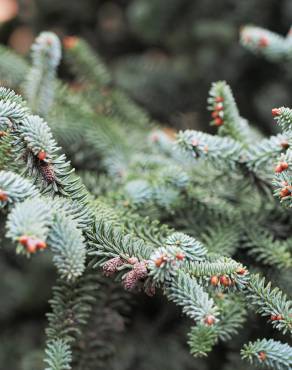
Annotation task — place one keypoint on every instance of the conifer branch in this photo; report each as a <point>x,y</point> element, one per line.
<point>14,188</point>
<point>283,116</point>
<point>29,223</point>
<point>58,355</point>
<point>40,81</point>
<point>195,302</point>
<point>270,303</point>
<point>13,68</point>
<point>85,62</point>
<point>269,44</point>
<point>221,152</point>
<point>222,273</point>
<point>269,354</point>
<point>232,315</point>
<point>109,242</point>
<point>68,246</point>
<point>266,248</point>
<point>225,113</point>
<point>201,340</point>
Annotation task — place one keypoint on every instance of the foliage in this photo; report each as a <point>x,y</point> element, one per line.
<point>174,213</point>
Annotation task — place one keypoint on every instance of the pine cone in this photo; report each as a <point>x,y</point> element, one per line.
<point>110,267</point>
<point>47,171</point>
<point>130,280</point>
<point>140,270</point>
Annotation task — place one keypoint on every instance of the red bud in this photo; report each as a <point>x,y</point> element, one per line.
<point>209,320</point>
<point>42,155</point>
<point>275,112</point>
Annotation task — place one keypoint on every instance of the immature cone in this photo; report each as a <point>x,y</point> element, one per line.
<point>111,266</point>
<point>130,280</point>
<point>47,171</point>
<point>140,270</point>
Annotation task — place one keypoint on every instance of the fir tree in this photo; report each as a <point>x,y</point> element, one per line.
<point>198,218</point>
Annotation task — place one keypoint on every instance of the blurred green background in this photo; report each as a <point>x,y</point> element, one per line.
<point>166,53</point>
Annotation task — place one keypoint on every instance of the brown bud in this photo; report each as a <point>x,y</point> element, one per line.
<point>70,42</point>
<point>276,112</point>
<point>285,192</point>
<point>225,280</point>
<point>42,155</point>
<point>41,244</point>
<point>3,196</point>
<point>214,280</point>
<point>282,166</point>
<point>218,121</point>
<point>132,260</point>
<point>31,245</point>
<point>284,144</point>
<point>241,271</point>
<point>209,320</point>
<point>160,260</point>
<point>23,239</point>
<point>180,256</point>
